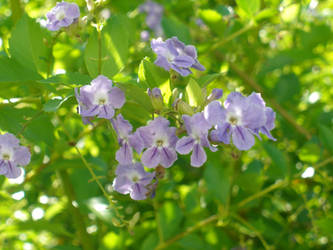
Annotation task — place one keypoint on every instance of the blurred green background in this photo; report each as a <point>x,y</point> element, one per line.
<point>278,195</point>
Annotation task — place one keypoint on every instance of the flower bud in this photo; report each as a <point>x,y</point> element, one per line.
<point>156,98</point>
<point>183,108</point>
<point>215,95</point>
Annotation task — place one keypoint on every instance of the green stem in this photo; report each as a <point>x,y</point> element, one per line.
<point>261,193</point>
<point>99,51</point>
<point>231,37</point>
<point>17,10</point>
<point>78,218</point>
<point>189,230</point>
<point>258,234</point>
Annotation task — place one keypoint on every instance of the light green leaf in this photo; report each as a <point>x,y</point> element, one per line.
<point>194,93</point>
<point>69,78</point>
<point>173,27</point>
<point>170,216</point>
<point>250,7</point>
<point>326,136</point>
<point>151,75</point>
<point>114,48</point>
<point>279,166</point>
<point>205,80</point>
<point>26,45</point>
<point>218,181</point>
<point>54,104</point>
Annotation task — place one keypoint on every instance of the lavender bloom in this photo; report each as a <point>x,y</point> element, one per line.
<point>197,129</point>
<point>62,15</point>
<point>154,13</point>
<point>144,35</point>
<point>156,98</point>
<point>173,54</point>
<point>215,95</point>
<point>160,141</point>
<point>240,118</point>
<point>132,179</point>
<point>127,140</point>
<point>12,155</point>
<point>99,98</point>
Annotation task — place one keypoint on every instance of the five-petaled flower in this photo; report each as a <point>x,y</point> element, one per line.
<point>99,98</point>
<point>160,141</point>
<point>12,155</point>
<point>197,129</point>
<point>62,15</point>
<point>127,140</point>
<point>240,119</point>
<point>134,180</point>
<point>173,54</point>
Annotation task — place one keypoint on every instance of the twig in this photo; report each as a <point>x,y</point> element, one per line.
<point>188,231</point>
<point>257,233</point>
<point>261,193</point>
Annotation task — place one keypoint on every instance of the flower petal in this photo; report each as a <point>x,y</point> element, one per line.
<point>124,155</point>
<point>185,145</point>
<point>168,156</point>
<point>198,157</point>
<point>242,138</point>
<point>151,157</point>
<point>117,97</point>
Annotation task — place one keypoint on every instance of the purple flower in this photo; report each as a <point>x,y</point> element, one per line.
<point>132,179</point>
<point>197,129</point>
<point>173,54</point>
<point>156,98</point>
<point>239,119</point>
<point>62,15</point>
<point>144,35</point>
<point>99,98</point>
<point>215,95</point>
<point>154,13</point>
<point>160,141</point>
<point>127,140</point>
<point>12,155</point>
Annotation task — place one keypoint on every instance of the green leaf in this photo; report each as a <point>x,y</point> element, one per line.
<point>205,80</point>
<point>326,136</point>
<point>287,87</point>
<point>310,152</point>
<point>26,45</point>
<point>213,19</point>
<point>151,75</point>
<point>11,71</point>
<point>114,48</point>
<point>250,7</point>
<point>40,130</point>
<point>325,225</point>
<point>68,79</point>
<point>218,181</point>
<point>173,27</point>
<point>194,93</point>
<point>54,104</point>
<point>279,166</point>
<point>12,119</point>
<point>100,207</point>
<point>170,217</point>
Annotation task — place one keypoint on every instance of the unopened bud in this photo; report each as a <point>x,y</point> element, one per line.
<point>183,108</point>
<point>90,5</point>
<point>215,95</point>
<point>156,98</point>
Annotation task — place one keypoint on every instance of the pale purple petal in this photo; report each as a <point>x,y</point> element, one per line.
<point>105,111</point>
<point>21,156</point>
<point>124,155</point>
<point>136,142</point>
<point>183,61</point>
<point>215,113</point>
<point>13,171</point>
<point>151,157</point>
<point>242,138</point>
<point>185,145</point>
<point>222,133</point>
<point>167,156</point>
<point>138,192</point>
<point>117,97</point>
<point>122,184</point>
<point>198,157</point>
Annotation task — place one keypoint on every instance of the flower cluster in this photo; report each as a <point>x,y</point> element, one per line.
<point>12,155</point>
<point>155,145</point>
<point>62,15</point>
<point>173,54</point>
<point>154,13</point>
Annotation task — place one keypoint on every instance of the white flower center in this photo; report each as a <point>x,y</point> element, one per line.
<point>6,154</point>
<point>234,117</point>
<point>134,176</point>
<point>101,98</point>
<point>60,15</point>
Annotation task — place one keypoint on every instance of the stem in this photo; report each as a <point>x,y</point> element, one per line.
<point>99,37</point>
<point>231,37</point>
<point>79,223</point>
<point>261,193</point>
<point>158,222</point>
<point>188,231</point>
<point>258,234</point>
<point>17,10</point>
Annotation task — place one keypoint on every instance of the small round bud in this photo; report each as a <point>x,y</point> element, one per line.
<point>156,98</point>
